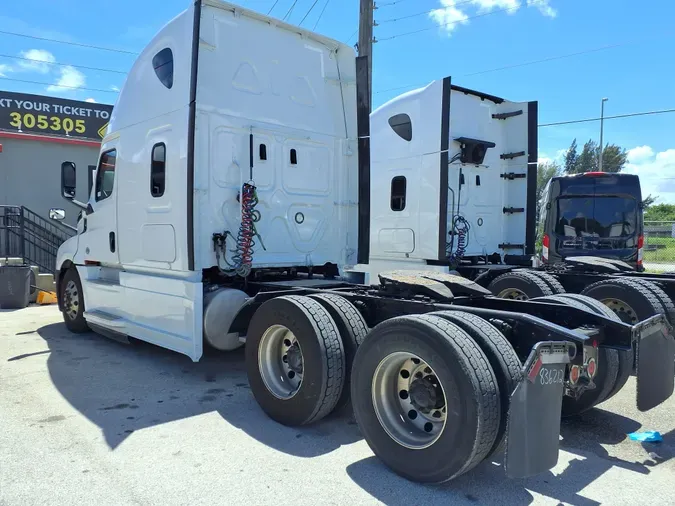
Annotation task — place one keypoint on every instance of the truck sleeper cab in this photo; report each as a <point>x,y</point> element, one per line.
<point>226,208</point>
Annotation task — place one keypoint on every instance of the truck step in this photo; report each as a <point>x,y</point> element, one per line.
<point>108,320</point>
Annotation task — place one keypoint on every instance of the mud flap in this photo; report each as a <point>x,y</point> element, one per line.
<point>655,362</point>
<point>533,432</point>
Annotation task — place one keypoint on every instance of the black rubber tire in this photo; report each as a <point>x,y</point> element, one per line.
<point>661,296</point>
<point>502,357</point>
<point>78,325</point>
<point>323,358</point>
<point>551,281</point>
<point>465,373</point>
<point>528,282</point>
<point>608,367</point>
<point>353,330</point>
<point>625,357</point>
<point>642,301</point>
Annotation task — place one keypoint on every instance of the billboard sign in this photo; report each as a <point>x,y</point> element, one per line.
<point>35,114</point>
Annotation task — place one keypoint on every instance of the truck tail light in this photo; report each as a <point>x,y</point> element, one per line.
<point>545,243</point>
<point>640,245</point>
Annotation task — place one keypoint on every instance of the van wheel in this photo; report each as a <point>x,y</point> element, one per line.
<point>625,357</point>
<point>425,398</point>
<point>72,299</point>
<point>502,357</point>
<point>352,329</point>
<point>608,368</point>
<point>294,360</point>
<point>521,285</point>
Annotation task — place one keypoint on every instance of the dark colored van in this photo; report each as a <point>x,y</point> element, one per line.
<point>592,214</point>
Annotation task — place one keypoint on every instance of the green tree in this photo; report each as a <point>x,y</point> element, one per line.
<point>545,171</point>
<point>648,202</point>
<point>660,212</point>
<point>614,158</point>
<point>571,158</point>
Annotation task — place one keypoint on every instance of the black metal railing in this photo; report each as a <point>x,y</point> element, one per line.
<point>27,235</point>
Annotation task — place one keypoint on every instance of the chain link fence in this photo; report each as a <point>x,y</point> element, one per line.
<point>659,252</point>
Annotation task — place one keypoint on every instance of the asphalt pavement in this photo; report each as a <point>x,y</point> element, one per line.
<point>89,421</point>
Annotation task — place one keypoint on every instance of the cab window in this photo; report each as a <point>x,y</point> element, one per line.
<point>105,177</point>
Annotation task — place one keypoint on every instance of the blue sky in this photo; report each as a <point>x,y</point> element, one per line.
<point>479,36</point>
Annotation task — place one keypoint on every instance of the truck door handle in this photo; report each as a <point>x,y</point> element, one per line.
<point>111,238</point>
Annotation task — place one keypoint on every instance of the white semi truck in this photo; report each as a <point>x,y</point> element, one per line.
<point>231,202</point>
<point>480,221</point>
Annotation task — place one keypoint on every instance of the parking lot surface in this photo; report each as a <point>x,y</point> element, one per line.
<point>89,421</point>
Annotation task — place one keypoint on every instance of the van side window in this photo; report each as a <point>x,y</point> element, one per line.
<point>402,125</point>
<point>158,170</point>
<point>398,191</point>
<point>105,177</point>
<point>162,62</point>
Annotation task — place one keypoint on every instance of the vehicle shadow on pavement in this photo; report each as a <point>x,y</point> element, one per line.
<point>126,388</point>
<point>583,437</point>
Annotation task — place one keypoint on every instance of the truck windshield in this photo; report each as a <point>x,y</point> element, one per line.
<point>603,217</point>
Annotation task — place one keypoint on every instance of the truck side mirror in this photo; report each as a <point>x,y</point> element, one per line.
<point>57,214</point>
<point>68,180</point>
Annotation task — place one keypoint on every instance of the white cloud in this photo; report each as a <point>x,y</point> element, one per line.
<point>39,61</point>
<point>91,100</point>
<point>4,69</point>
<point>448,17</point>
<point>656,172</point>
<point>114,88</point>
<point>70,79</point>
<point>544,7</point>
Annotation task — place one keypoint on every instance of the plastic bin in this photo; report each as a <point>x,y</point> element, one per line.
<point>14,286</point>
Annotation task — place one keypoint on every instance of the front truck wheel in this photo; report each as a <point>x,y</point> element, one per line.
<point>294,360</point>
<point>502,357</point>
<point>72,302</point>
<point>524,285</point>
<point>425,398</point>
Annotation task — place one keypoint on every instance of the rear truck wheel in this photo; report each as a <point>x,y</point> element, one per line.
<point>607,369</point>
<point>502,357</point>
<point>352,328</point>
<point>631,301</point>
<point>660,295</point>
<point>625,357</point>
<point>295,360</point>
<point>72,302</point>
<point>425,398</point>
<point>521,285</point>
<point>551,281</point>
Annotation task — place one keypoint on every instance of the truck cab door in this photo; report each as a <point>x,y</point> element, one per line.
<point>98,243</point>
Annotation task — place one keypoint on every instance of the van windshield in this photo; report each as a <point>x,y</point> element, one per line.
<point>602,217</point>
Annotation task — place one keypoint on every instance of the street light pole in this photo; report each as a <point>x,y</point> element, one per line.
<point>602,124</point>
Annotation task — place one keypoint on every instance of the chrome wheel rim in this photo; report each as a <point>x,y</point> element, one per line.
<point>513,294</point>
<point>622,310</point>
<point>280,362</point>
<point>72,300</point>
<point>409,400</point>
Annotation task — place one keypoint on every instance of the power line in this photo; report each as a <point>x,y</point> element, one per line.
<point>389,4</point>
<point>100,48</point>
<point>321,14</point>
<point>290,10</point>
<point>393,20</point>
<point>273,6</point>
<point>447,24</point>
<point>58,85</point>
<point>32,60</point>
<point>630,115</point>
<point>533,62</point>
<point>309,11</point>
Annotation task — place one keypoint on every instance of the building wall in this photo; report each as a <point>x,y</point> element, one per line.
<point>30,174</point>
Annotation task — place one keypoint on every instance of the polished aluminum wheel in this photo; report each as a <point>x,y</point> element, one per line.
<point>513,294</point>
<point>409,400</point>
<point>71,304</point>
<point>280,362</point>
<point>622,310</point>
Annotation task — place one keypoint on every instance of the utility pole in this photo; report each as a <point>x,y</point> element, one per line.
<point>366,40</point>
<point>602,124</point>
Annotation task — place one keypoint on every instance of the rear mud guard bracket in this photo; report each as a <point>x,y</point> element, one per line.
<point>533,432</point>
